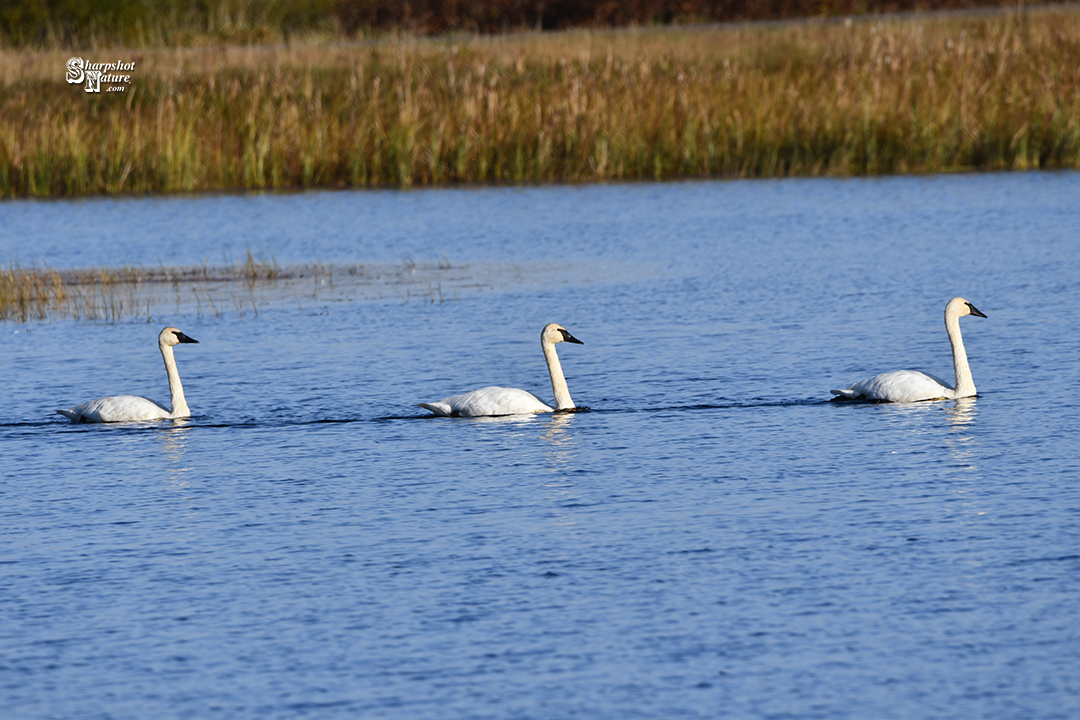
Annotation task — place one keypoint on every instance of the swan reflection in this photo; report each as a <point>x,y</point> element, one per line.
<point>962,413</point>
<point>562,444</point>
<point>174,443</point>
<point>962,442</point>
<point>561,456</point>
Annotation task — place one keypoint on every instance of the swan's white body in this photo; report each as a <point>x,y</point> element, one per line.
<point>511,401</point>
<point>131,408</point>
<point>915,386</point>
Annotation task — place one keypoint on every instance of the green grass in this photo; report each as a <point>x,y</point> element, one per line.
<point>866,97</point>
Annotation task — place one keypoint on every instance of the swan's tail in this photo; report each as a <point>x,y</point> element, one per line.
<point>845,394</point>
<point>439,408</point>
<point>71,415</point>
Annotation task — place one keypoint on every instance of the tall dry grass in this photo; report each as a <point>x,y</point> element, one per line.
<point>865,97</point>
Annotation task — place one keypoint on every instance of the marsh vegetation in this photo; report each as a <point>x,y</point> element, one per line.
<point>912,95</point>
<point>121,294</point>
<point>133,292</point>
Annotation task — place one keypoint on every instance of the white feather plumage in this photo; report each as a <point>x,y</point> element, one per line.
<point>915,386</point>
<point>511,401</point>
<point>132,408</point>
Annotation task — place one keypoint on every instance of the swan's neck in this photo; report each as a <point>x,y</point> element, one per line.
<point>965,385</point>
<point>563,401</point>
<point>178,406</point>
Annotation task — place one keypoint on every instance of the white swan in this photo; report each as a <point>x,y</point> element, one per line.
<point>511,401</point>
<point>130,408</point>
<point>914,386</point>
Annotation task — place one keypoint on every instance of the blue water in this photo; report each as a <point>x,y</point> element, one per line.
<point>712,539</point>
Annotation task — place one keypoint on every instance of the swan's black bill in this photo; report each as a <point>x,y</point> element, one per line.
<point>974,310</point>
<point>567,337</point>
<point>184,338</point>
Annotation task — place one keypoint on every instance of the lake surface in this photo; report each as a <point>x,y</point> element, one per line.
<point>712,539</point>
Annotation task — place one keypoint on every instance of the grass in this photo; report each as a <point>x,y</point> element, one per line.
<point>113,294</point>
<point>866,97</point>
<point>246,287</point>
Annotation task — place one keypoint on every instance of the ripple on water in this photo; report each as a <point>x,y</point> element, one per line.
<point>712,537</point>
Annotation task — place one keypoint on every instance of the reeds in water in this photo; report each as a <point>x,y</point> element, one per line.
<point>863,97</point>
<point>113,294</point>
<point>248,286</point>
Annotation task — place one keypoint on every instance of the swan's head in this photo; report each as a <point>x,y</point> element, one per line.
<point>958,307</point>
<point>556,333</point>
<point>171,336</point>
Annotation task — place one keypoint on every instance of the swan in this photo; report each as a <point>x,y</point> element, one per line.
<point>914,386</point>
<point>511,401</point>
<point>130,408</point>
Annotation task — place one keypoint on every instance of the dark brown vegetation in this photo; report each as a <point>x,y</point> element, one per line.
<point>495,16</point>
<point>146,23</point>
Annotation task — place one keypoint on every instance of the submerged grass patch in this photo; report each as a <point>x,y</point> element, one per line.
<point>248,287</point>
<point>113,294</point>
<point>864,97</point>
